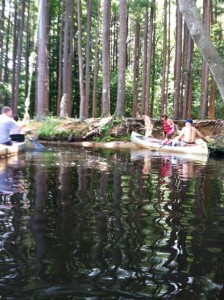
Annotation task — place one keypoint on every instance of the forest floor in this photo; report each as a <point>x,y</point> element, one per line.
<point>109,132</point>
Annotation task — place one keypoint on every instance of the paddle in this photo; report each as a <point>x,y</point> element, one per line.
<point>160,147</point>
<point>165,144</point>
<point>36,144</point>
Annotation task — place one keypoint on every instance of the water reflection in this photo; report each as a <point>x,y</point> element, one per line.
<point>94,224</point>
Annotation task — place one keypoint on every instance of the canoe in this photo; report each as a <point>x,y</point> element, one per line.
<point>16,148</point>
<point>200,147</point>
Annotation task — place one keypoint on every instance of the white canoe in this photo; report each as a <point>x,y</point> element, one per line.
<point>199,148</point>
<point>12,150</point>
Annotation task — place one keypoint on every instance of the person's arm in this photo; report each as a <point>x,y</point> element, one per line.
<point>201,136</point>
<point>181,135</point>
<point>170,123</point>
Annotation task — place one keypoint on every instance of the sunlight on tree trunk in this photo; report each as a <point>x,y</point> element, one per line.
<point>203,42</point>
<point>42,53</point>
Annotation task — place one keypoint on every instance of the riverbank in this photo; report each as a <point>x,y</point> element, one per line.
<point>113,133</point>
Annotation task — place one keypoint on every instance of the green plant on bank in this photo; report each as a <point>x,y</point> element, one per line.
<point>107,128</point>
<point>108,138</point>
<point>47,128</point>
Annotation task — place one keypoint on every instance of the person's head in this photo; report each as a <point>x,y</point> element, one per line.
<point>164,117</point>
<point>188,122</point>
<point>7,111</point>
<point>143,116</point>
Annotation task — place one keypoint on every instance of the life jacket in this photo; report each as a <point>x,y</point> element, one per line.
<point>166,126</point>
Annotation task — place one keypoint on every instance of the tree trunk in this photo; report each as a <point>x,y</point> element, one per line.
<point>144,63</point>
<point>212,101</point>
<point>14,53</point>
<point>66,74</point>
<point>70,58</point>
<point>6,69</point>
<point>95,78</point>
<point>42,54</point>
<point>203,42</point>
<point>122,59</point>
<point>205,70</point>
<point>114,41</point>
<point>2,30</point>
<point>87,79</point>
<point>149,59</point>
<point>151,110</point>
<point>136,70</point>
<point>28,26</point>
<point>59,95</point>
<point>106,59</point>
<point>166,96</point>
<point>81,81</point>
<point>187,80</point>
<point>178,60</point>
<point>18,58</point>
<point>163,88</point>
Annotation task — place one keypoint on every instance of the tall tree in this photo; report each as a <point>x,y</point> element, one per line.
<point>81,79</point>
<point>163,88</point>
<point>95,76</point>
<point>15,25</point>
<point>60,22</point>
<point>204,69</point>
<point>178,64</point>
<point>42,93</point>
<point>188,75</point>
<point>153,75</point>
<point>149,57</point>
<point>87,75</point>
<point>106,59</point>
<point>212,101</point>
<point>144,68</point>
<point>136,69</point>
<point>70,58</point>
<point>6,69</point>
<point>122,59</point>
<point>28,25</point>
<point>203,42</point>
<point>66,76</point>
<point>18,58</point>
<point>2,28</point>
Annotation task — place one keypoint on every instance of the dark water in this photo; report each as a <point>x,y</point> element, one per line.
<point>96,224</point>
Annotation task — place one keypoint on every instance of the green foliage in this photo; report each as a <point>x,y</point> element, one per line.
<point>136,10</point>
<point>48,128</point>
<point>5,93</point>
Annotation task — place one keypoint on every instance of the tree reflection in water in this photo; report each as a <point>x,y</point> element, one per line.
<point>101,225</point>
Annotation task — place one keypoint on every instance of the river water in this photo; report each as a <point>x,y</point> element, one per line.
<point>102,224</point>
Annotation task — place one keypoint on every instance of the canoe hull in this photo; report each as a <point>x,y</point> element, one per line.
<point>141,141</point>
<point>12,150</point>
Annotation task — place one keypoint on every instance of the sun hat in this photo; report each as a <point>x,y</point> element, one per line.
<point>189,121</point>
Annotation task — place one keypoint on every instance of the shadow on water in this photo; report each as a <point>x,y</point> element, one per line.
<point>95,224</point>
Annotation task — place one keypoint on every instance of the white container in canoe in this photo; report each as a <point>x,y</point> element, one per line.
<point>200,147</point>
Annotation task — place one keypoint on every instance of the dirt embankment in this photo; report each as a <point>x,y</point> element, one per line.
<point>107,132</point>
